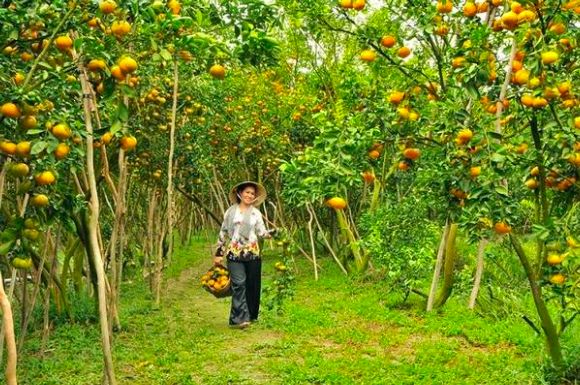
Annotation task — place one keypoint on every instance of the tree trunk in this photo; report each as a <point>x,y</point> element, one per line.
<point>550,332</point>
<point>8,323</point>
<point>478,272</point>
<point>448,266</point>
<point>438,264</point>
<point>170,208</point>
<point>93,228</point>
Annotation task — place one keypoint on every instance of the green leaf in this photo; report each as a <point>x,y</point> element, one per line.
<point>498,158</point>
<point>38,147</point>
<point>116,127</point>
<point>165,54</point>
<point>502,190</point>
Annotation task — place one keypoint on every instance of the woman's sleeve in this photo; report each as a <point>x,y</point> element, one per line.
<point>222,237</point>
<point>260,227</point>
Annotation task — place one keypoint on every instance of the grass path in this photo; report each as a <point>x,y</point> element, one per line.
<point>335,331</point>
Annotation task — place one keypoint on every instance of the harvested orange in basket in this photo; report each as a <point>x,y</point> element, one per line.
<point>217,281</point>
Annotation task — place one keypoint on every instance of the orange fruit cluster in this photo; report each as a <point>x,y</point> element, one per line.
<point>215,279</point>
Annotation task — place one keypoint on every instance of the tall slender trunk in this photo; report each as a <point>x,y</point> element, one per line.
<point>170,209</point>
<point>548,326</point>
<point>448,265</point>
<point>437,270</point>
<point>478,273</point>
<point>93,228</point>
<point>8,323</point>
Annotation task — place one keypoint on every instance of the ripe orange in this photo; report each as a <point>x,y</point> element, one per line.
<point>61,151</point>
<point>346,4</point>
<point>457,61</point>
<point>10,110</point>
<point>558,28</point>
<point>555,259</point>
<point>526,16</point>
<point>23,149</point>
<point>174,6</point>
<point>18,78</point>
<point>557,279</point>
<point>127,64</point>
<point>107,137</point>
<point>412,153</point>
<point>336,203</point>
<point>368,176</point>
<point>218,71</point>
<point>45,178</point>
<point>63,43</point>
<point>107,6</point>
<point>8,148</point>
<point>96,65</point>
<point>475,171</point>
<point>540,102</point>
<point>403,52</point>
<point>464,136</point>
<point>358,4</point>
<point>577,122</point>
<point>94,22</point>
<point>469,9</point>
<point>388,41</point>
<point>61,131</point>
<point>522,76</point>
<point>120,28</point>
<point>374,154</point>
<point>117,73</point>
<point>444,6</point>
<point>527,100</point>
<point>532,184</point>
<point>39,200</point>
<point>549,57</point>
<point>403,166</point>
<point>128,142</point>
<point>502,228</point>
<point>396,97</point>
<point>509,20</point>
<point>368,55</point>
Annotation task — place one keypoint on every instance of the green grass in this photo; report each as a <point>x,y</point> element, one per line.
<point>336,331</point>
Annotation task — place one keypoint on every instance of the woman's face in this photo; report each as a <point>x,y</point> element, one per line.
<point>248,195</point>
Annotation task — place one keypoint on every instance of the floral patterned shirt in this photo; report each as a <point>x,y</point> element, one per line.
<point>239,247</point>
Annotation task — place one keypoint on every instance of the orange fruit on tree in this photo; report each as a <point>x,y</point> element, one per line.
<point>23,149</point>
<point>539,102</point>
<point>412,153</point>
<point>444,6</point>
<point>502,228</point>
<point>128,142</point>
<point>18,78</point>
<point>10,110</point>
<point>509,20</point>
<point>28,122</point>
<point>368,176</point>
<point>532,183</point>
<point>457,62</point>
<point>388,41</point>
<point>218,71</point>
<point>527,100</point>
<point>61,151</point>
<point>396,97</point>
<point>20,169</point>
<point>522,76</point>
<point>96,65</point>
<point>174,6</point>
<point>107,137</point>
<point>94,22</point>
<point>469,9</point>
<point>346,4</point>
<point>61,131</point>
<point>374,154</point>
<point>555,259</point>
<point>63,43</point>
<point>120,28</point>
<point>526,16</point>
<point>336,203</point>
<point>557,279</point>
<point>45,178</point>
<point>117,73</point>
<point>557,28</point>
<point>368,55</point>
<point>403,52</point>
<point>577,122</point>
<point>403,166</point>
<point>8,147</point>
<point>475,171</point>
<point>128,64</point>
<point>358,4</point>
<point>549,57</point>
<point>107,6</point>
<point>464,136</point>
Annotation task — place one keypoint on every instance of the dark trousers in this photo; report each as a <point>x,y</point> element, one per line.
<point>246,277</point>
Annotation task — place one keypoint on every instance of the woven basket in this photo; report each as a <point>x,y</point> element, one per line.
<point>224,291</point>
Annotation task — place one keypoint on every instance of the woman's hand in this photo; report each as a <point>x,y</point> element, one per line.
<point>217,260</point>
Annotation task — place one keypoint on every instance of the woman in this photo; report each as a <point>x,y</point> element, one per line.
<point>242,226</point>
